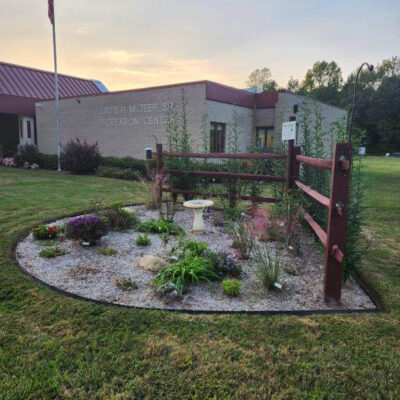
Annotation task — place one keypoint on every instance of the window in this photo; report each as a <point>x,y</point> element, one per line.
<point>28,129</point>
<point>217,137</point>
<point>265,137</point>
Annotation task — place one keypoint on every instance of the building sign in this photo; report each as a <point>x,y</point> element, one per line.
<point>289,130</point>
<point>136,114</point>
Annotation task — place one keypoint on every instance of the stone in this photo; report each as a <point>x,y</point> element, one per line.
<point>152,263</point>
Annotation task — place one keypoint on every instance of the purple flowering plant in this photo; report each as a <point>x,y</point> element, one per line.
<point>226,264</point>
<point>88,228</point>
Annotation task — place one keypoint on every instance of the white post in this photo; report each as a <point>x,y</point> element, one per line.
<point>56,93</point>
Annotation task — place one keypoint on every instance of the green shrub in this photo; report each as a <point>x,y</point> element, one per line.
<point>126,284</point>
<point>43,232</point>
<point>48,161</point>
<point>187,271</point>
<point>243,236</point>
<point>106,251</point>
<point>117,218</point>
<point>269,265</point>
<point>80,158</point>
<point>191,248</point>
<point>118,173</point>
<point>52,252</point>
<point>141,166</point>
<point>231,287</point>
<point>143,240</point>
<point>161,226</point>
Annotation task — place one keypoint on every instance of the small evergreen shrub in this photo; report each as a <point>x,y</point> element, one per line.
<point>27,153</point>
<point>87,228</point>
<point>48,161</point>
<point>142,166</point>
<point>43,232</point>
<point>231,287</point>
<point>80,157</point>
<point>118,219</point>
<point>106,251</point>
<point>52,252</point>
<point>143,240</point>
<point>118,173</point>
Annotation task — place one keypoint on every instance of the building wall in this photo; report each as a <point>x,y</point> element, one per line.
<point>284,110</point>
<point>123,124</point>
<point>224,113</point>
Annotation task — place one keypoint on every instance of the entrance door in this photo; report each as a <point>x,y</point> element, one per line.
<point>27,130</point>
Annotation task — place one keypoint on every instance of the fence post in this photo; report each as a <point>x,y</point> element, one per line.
<point>337,220</point>
<point>289,164</point>
<point>159,171</point>
<point>296,164</point>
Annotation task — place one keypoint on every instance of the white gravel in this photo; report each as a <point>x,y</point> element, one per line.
<point>84,272</point>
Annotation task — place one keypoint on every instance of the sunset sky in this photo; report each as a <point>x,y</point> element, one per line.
<point>130,44</point>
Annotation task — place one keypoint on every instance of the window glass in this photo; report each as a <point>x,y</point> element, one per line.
<point>217,137</point>
<point>28,128</point>
<point>265,137</point>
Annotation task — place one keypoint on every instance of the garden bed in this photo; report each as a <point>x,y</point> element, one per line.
<point>85,272</point>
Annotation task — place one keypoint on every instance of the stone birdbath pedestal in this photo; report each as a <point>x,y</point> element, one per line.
<point>198,207</point>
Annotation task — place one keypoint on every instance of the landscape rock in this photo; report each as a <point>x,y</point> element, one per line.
<point>152,263</point>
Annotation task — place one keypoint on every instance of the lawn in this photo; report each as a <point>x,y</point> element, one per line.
<point>53,346</point>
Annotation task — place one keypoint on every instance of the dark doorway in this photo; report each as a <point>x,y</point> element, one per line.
<point>9,132</point>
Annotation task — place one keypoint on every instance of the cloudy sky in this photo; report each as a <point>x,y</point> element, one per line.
<point>131,43</point>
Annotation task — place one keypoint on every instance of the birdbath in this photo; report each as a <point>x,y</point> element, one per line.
<point>198,207</point>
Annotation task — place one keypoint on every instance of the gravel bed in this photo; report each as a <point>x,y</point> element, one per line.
<point>84,272</point>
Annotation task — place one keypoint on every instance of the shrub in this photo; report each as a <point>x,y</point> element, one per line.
<point>117,218</point>
<point>27,153</point>
<point>191,248</point>
<point>160,226</point>
<point>143,240</point>
<point>118,173</point>
<point>88,228</point>
<point>243,236</point>
<point>142,166</point>
<point>48,161</point>
<point>187,271</point>
<point>80,158</point>
<point>231,287</point>
<point>43,232</point>
<point>225,264</point>
<point>269,265</point>
<point>106,251</point>
<point>126,284</point>
<point>52,252</point>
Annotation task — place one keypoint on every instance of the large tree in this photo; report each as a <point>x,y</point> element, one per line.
<point>260,79</point>
<point>323,82</point>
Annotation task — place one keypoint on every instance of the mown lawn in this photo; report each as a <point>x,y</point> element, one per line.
<point>56,347</point>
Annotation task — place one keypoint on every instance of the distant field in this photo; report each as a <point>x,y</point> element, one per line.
<point>56,347</point>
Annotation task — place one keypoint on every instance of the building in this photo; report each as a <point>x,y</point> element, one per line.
<point>124,123</point>
<point>20,89</point>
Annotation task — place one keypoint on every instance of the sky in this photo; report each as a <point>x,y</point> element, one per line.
<point>131,44</point>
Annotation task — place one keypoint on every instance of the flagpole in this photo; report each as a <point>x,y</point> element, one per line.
<point>58,131</point>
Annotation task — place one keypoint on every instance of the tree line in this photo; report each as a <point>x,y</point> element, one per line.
<point>377,113</point>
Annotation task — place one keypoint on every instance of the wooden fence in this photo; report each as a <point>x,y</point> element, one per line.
<point>334,240</point>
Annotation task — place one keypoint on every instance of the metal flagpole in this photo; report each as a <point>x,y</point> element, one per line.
<point>56,91</point>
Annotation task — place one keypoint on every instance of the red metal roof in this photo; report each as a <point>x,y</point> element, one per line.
<point>16,80</point>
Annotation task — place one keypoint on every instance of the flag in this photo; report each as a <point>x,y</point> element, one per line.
<point>50,12</point>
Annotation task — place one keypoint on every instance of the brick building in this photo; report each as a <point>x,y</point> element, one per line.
<point>124,123</point>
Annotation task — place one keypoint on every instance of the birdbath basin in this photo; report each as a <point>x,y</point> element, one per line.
<point>198,207</point>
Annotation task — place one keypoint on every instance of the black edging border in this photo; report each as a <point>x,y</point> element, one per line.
<point>371,293</point>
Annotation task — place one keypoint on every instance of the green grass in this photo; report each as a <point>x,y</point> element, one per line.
<point>57,347</point>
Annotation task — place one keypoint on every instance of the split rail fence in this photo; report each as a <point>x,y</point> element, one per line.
<point>334,239</point>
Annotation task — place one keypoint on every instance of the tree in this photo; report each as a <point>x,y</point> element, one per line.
<point>323,82</point>
<point>293,85</point>
<point>261,79</point>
